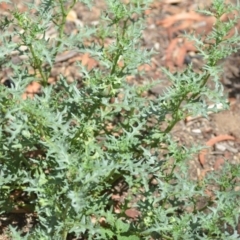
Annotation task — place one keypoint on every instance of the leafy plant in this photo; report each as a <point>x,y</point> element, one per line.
<point>65,150</point>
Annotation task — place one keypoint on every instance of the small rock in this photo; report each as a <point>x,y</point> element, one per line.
<point>157,89</point>
<point>220,147</point>
<point>197,131</point>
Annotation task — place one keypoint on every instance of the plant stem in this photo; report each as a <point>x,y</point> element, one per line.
<point>37,64</point>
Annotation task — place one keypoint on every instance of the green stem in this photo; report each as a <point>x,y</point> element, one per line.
<point>204,82</point>
<point>64,217</point>
<point>166,237</point>
<point>37,64</point>
<point>175,116</point>
<point>119,47</point>
<point>64,14</point>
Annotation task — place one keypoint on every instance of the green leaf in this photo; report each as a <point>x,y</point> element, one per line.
<point>122,226</point>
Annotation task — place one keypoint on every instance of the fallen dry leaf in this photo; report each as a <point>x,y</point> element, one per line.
<point>210,143</point>
<point>32,89</point>
<point>132,213</point>
<point>218,163</point>
<point>72,16</point>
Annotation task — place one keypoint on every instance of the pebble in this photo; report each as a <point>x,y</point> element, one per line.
<point>197,131</point>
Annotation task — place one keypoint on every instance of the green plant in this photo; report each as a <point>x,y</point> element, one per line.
<point>66,149</point>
